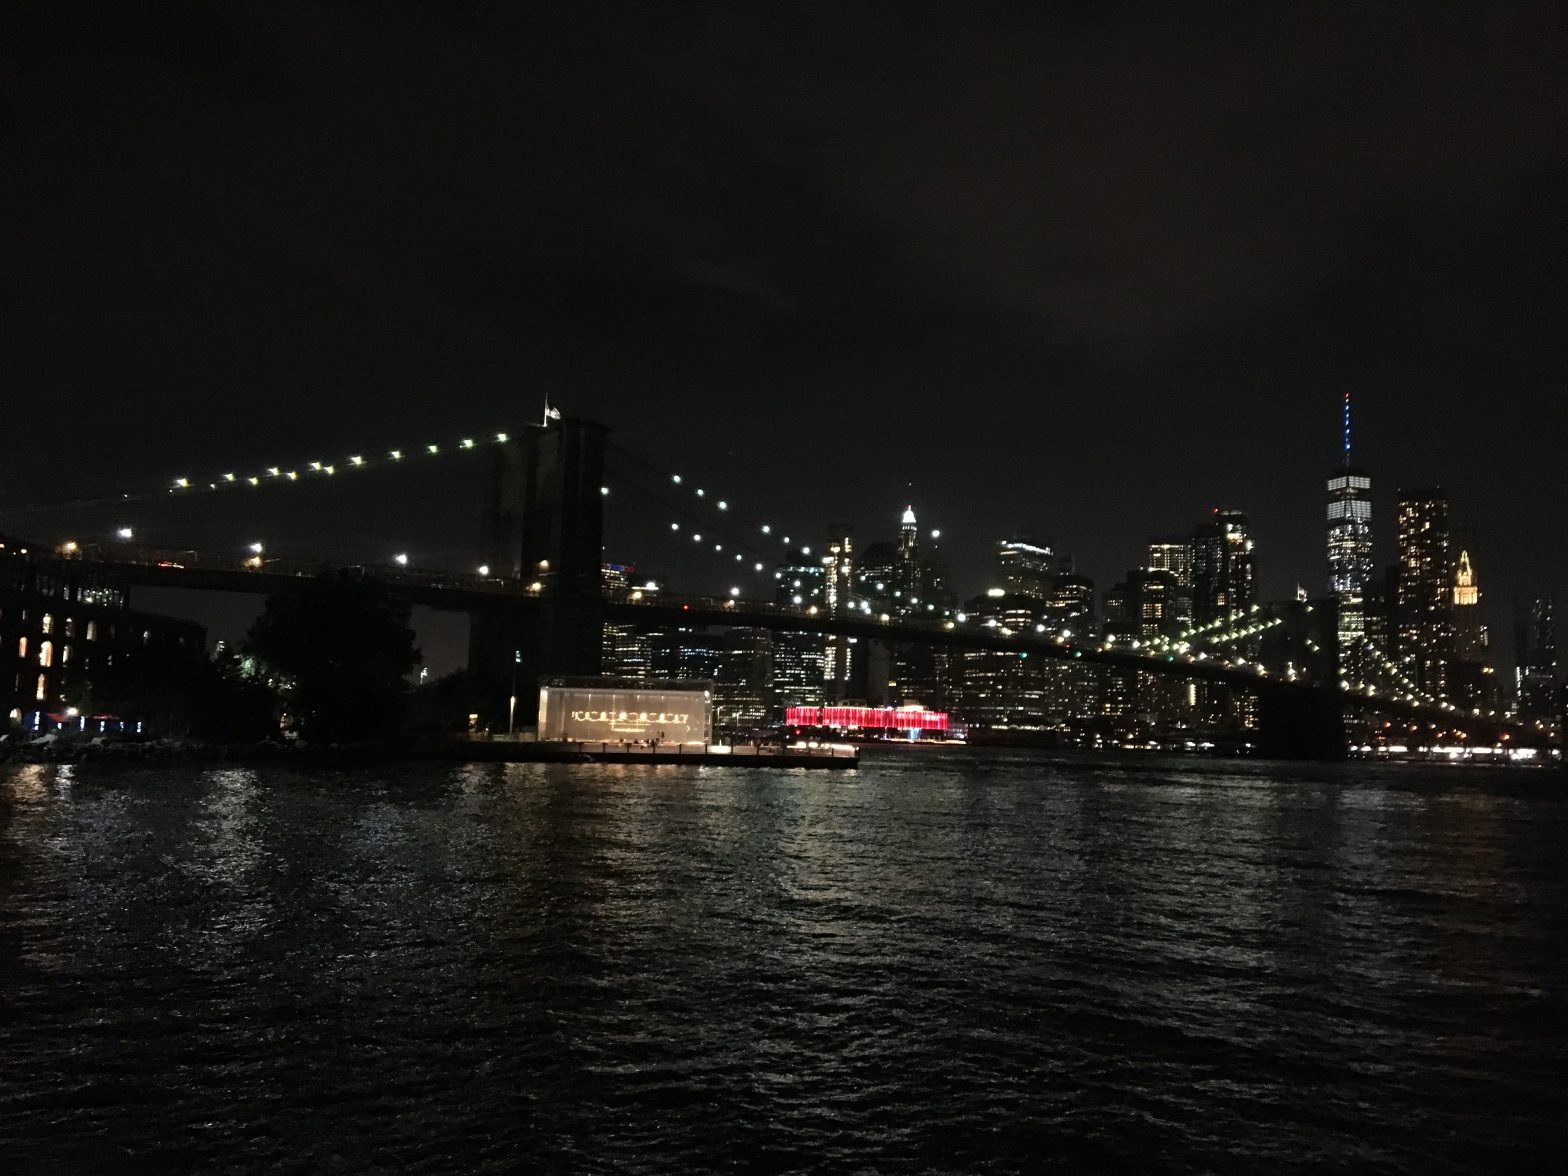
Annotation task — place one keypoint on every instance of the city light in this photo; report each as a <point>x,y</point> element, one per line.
<point>484,569</point>
<point>401,559</point>
<point>125,533</point>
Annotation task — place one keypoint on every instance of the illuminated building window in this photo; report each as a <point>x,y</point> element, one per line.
<point>46,653</point>
<point>92,630</point>
<point>47,626</point>
<point>65,655</point>
<point>21,647</point>
<point>70,627</point>
<point>43,687</point>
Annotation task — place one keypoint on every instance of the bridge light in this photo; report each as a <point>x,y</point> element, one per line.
<point>432,449</point>
<point>331,469</point>
<point>767,530</point>
<point>675,526</point>
<point>604,490</point>
<point>356,460</point>
<point>126,533</point>
<point>501,438</point>
<point>315,465</point>
<point>758,567</point>
<point>723,505</point>
<point>484,569</point>
<point>396,455</point>
<point>699,492</point>
<point>273,471</point>
<point>696,538</point>
<point>256,548</point>
<point>805,551</point>
<point>254,481</point>
<point>739,557</point>
<point>468,442</point>
<point>718,547</point>
<point>228,477</point>
<point>734,591</point>
<point>293,476</point>
<point>401,559</point>
<point>676,478</point>
<point>182,483</point>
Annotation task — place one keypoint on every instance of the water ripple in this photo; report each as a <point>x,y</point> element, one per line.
<point>952,964</point>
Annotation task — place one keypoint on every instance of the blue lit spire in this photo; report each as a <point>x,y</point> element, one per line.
<point>1347,428</point>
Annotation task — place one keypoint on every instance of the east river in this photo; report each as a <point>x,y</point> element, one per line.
<point>953,962</point>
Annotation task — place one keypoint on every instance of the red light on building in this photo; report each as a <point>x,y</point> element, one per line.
<point>870,718</point>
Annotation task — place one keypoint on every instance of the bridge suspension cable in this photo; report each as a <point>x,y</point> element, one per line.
<point>256,477</point>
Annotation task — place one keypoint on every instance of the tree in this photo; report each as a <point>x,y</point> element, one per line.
<point>339,650</point>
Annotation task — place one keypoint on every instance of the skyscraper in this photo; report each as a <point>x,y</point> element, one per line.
<point>1425,608</point>
<point>1025,567</point>
<point>1175,556</point>
<point>1350,557</point>
<point>1349,524</point>
<point>1223,577</point>
<point>838,583</point>
<point>1470,679</point>
<point>1535,655</point>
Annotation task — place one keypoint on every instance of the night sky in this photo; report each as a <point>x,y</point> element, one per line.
<point>1084,275</point>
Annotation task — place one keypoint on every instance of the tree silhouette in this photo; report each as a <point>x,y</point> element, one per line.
<point>339,651</point>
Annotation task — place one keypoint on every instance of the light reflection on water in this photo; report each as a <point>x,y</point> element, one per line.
<point>969,962</point>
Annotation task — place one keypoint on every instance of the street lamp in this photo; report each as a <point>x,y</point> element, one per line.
<point>511,706</point>
<point>401,559</point>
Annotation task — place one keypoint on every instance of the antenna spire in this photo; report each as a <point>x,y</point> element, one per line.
<point>1347,428</point>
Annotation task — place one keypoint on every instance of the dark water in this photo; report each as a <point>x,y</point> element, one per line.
<point>952,963</point>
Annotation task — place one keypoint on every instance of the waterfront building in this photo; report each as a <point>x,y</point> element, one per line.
<point>1223,572</point>
<point>1425,637</point>
<point>71,646</point>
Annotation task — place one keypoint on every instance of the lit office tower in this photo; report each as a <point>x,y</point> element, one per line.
<point>1535,654</point>
<point>1175,556</point>
<point>1026,568</point>
<point>838,580</point>
<point>797,657</point>
<point>1222,567</point>
<point>1350,557</point>
<point>1424,607</point>
<point>1349,524</point>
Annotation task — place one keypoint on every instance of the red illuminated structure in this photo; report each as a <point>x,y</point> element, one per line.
<point>873,718</point>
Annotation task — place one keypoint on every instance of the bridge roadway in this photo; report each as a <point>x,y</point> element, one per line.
<point>456,592</point>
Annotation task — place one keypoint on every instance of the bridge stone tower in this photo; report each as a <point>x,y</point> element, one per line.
<point>544,525</point>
